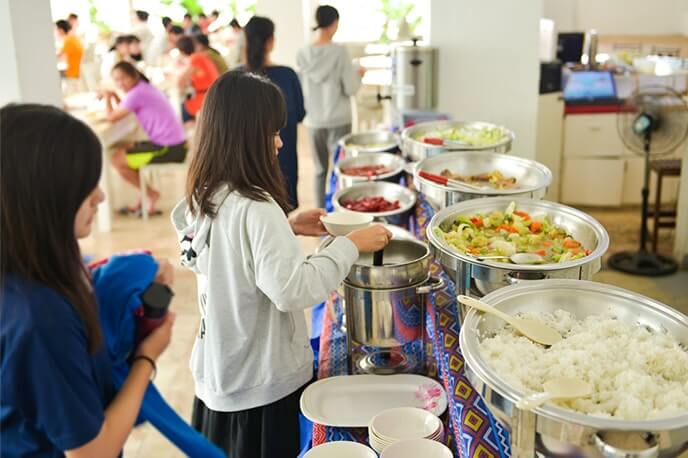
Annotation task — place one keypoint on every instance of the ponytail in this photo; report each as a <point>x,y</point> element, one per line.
<point>259,30</point>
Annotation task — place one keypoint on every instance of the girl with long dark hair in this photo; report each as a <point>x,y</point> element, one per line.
<point>57,395</point>
<point>252,356</point>
<point>260,41</point>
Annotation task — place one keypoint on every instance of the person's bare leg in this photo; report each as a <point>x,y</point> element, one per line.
<point>119,162</point>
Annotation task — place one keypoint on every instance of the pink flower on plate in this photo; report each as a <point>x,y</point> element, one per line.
<point>428,395</point>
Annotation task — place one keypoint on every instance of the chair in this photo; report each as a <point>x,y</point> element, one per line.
<point>148,171</point>
<point>662,218</point>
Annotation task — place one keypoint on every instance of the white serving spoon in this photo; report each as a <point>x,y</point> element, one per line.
<point>557,388</point>
<point>517,258</point>
<point>532,329</point>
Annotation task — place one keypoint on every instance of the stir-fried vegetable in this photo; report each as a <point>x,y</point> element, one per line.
<point>513,231</point>
<point>475,136</point>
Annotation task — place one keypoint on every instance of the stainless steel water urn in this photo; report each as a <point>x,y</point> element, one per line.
<point>414,77</point>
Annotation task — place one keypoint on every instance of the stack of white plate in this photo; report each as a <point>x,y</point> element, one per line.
<point>416,448</point>
<point>403,423</point>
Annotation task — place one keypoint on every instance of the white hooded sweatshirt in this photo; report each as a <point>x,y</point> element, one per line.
<point>328,79</point>
<point>253,284</point>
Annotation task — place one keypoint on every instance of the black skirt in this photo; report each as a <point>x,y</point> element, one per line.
<point>270,431</point>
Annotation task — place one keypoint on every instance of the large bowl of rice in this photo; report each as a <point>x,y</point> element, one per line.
<point>632,349</point>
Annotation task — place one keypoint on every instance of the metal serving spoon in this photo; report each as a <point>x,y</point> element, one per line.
<point>557,388</point>
<point>518,258</point>
<point>532,329</point>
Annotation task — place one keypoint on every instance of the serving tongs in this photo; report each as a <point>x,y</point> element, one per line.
<point>439,179</point>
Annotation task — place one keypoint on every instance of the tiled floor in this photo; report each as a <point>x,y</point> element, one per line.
<point>174,379</point>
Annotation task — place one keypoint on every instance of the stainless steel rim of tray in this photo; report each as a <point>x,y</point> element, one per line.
<point>571,295</point>
<point>534,175</point>
<point>390,191</point>
<point>581,225</point>
<point>392,161</point>
<point>370,141</point>
<point>412,147</point>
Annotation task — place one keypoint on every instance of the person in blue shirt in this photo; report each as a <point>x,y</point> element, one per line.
<point>57,396</point>
<point>260,41</point>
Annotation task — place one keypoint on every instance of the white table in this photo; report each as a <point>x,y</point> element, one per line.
<point>109,135</point>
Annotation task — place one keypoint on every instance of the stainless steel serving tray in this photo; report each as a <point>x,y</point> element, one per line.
<point>376,141</point>
<point>532,178</point>
<point>582,299</point>
<point>394,162</point>
<point>390,191</point>
<point>416,150</point>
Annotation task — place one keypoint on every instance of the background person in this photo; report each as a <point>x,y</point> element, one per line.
<point>202,45</point>
<point>71,50</point>
<point>329,79</point>
<point>200,73</point>
<point>57,394</point>
<point>141,29</point>
<point>189,26</point>
<point>166,137</point>
<point>260,41</point>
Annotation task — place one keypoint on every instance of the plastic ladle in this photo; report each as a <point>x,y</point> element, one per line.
<point>557,388</point>
<point>518,258</point>
<point>532,329</point>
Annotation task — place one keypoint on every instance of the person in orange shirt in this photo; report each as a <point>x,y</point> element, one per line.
<point>200,74</point>
<point>72,49</point>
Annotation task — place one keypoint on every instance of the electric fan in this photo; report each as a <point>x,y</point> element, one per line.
<point>652,122</point>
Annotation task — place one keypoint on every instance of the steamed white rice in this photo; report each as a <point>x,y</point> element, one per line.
<point>637,374</point>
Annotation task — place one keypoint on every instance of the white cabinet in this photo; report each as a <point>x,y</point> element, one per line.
<point>592,135</point>
<point>550,124</point>
<point>592,181</point>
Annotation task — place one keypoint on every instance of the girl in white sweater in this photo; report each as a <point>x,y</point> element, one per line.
<point>252,356</point>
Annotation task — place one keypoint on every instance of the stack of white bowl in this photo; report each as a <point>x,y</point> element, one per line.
<point>403,423</point>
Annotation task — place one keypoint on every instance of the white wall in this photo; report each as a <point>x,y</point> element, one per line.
<point>29,72</point>
<point>619,17</point>
<point>489,64</point>
<point>9,80</point>
<point>289,28</point>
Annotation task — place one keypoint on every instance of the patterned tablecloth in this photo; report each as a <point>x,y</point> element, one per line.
<point>472,431</point>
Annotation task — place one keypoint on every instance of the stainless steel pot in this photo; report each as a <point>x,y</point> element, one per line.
<point>417,150</point>
<point>532,178</point>
<point>414,77</point>
<point>390,191</point>
<point>378,141</point>
<point>479,278</point>
<point>393,162</point>
<point>405,263</point>
<point>552,430</point>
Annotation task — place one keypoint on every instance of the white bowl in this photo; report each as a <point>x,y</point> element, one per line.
<point>404,423</point>
<point>340,449</point>
<point>342,223</point>
<point>416,448</point>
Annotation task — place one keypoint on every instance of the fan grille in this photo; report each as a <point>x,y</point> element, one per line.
<point>667,107</point>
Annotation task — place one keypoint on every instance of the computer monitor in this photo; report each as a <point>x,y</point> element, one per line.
<point>589,86</point>
<point>570,47</point>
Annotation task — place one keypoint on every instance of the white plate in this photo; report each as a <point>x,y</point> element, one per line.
<point>416,448</point>
<point>353,400</point>
<point>340,449</point>
<point>404,423</point>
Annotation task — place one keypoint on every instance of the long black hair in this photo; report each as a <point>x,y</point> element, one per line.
<point>49,165</point>
<point>258,30</point>
<point>234,142</point>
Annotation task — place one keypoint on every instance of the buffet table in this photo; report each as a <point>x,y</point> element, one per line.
<point>471,430</point>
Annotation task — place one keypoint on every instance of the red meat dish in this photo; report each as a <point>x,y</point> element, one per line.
<point>366,170</point>
<point>374,204</point>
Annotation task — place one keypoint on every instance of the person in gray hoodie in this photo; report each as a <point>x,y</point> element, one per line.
<point>329,79</point>
<point>252,356</point>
